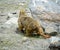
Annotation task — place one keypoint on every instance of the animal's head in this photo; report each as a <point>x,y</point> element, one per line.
<point>22,11</point>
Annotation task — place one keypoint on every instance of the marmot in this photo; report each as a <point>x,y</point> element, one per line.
<point>31,25</point>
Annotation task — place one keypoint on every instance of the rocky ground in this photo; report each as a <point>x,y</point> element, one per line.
<point>10,39</point>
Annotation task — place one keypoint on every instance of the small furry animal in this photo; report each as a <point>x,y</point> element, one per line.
<point>31,25</point>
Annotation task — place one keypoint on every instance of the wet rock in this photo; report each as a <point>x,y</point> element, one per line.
<point>54,47</point>
<point>54,43</point>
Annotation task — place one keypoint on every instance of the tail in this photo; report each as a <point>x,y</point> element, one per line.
<point>41,32</point>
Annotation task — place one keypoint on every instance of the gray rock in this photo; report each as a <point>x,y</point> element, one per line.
<point>54,39</point>
<point>56,1</point>
<point>54,47</point>
<point>44,5</point>
<point>51,28</point>
<point>54,43</point>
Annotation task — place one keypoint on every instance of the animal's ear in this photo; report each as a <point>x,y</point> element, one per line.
<point>22,11</point>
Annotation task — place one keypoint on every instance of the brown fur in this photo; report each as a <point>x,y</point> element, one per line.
<point>30,25</point>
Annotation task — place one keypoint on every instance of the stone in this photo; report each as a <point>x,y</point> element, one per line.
<point>51,29</point>
<point>55,46</point>
<point>54,43</point>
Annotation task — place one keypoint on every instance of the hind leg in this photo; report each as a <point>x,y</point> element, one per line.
<point>28,32</point>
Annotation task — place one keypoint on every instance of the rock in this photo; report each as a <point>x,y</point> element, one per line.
<point>33,44</point>
<point>54,43</point>
<point>45,4</point>
<point>9,26</point>
<point>56,1</point>
<point>12,20</point>
<point>54,39</point>
<point>51,29</point>
<point>24,39</point>
<point>53,47</point>
<point>10,15</point>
